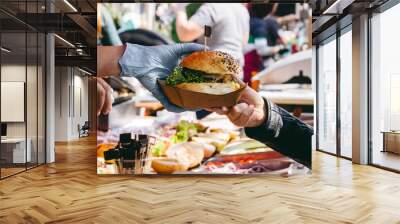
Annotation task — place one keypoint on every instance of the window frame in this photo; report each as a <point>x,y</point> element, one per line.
<point>341,27</point>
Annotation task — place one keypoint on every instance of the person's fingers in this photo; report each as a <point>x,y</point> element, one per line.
<point>245,96</point>
<point>106,106</point>
<point>189,48</point>
<point>235,111</point>
<point>101,94</point>
<point>241,82</point>
<point>105,85</point>
<point>245,116</point>
<point>251,97</point>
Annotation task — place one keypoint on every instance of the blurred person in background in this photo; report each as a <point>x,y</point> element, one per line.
<point>264,35</point>
<point>229,23</point>
<point>265,41</point>
<point>264,23</point>
<point>107,33</point>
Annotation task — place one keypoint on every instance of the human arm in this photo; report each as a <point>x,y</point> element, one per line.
<point>189,29</point>
<point>262,48</point>
<point>186,29</point>
<point>272,125</point>
<point>146,63</point>
<point>284,133</point>
<point>107,60</point>
<point>287,19</point>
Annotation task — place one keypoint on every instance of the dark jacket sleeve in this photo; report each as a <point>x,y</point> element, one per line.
<point>285,134</point>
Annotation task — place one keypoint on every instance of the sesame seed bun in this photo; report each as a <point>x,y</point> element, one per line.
<point>212,62</point>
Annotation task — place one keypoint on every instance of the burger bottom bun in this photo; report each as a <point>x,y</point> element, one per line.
<point>165,166</point>
<point>188,154</point>
<point>209,150</point>
<point>210,88</point>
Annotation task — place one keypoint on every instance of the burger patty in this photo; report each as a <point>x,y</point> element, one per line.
<point>185,75</point>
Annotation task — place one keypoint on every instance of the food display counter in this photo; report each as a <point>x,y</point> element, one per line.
<point>180,144</point>
<point>288,94</point>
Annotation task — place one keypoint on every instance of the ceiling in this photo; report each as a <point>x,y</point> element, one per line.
<point>72,20</point>
<point>329,15</point>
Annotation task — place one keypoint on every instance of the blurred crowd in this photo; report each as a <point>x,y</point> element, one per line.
<point>257,35</point>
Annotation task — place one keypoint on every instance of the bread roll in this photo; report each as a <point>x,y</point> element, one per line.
<point>212,62</point>
<point>210,88</point>
<point>165,166</point>
<point>209,150</point>
<point>188,154</point>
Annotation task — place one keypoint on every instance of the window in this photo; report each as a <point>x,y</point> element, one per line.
<point>327,96</point>
<point>23,89</point>
<point>346,93</point>
<point>385,88</point>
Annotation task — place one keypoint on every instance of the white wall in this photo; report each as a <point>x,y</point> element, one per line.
<point>16,73</point>
<point>61,104</point>
<point>70,84</point>
<point>33,127</point>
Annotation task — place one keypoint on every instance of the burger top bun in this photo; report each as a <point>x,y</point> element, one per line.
<point>211,62</point>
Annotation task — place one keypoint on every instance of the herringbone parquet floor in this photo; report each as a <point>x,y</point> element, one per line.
<point>69,191</point>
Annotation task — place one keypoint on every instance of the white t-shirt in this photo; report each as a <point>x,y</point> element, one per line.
<point>229,23</point>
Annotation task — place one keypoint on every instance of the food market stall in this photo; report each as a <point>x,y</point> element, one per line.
<point>141,138</point>
<point>180,144</point>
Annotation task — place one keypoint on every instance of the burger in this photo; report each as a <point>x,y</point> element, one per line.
<point>211,72</point>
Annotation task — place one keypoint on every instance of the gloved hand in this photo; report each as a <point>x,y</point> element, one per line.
<point>148,64</point>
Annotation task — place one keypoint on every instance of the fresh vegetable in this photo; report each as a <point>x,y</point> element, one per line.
<point>185,75</point>
<point>186,126</point>
<point>158,148</point>
<point>180,136</point>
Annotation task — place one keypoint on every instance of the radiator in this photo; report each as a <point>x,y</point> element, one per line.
<point>391,141</point>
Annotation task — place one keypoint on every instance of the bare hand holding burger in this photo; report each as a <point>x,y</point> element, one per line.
<point>249,112</point>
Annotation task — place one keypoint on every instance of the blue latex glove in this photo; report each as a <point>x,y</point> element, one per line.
<point>148,64</point>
